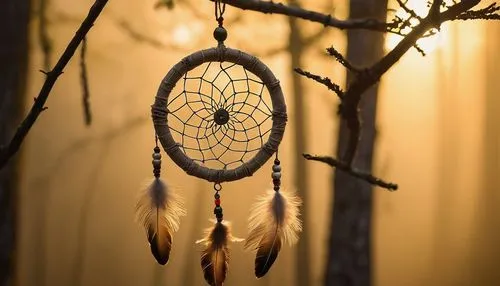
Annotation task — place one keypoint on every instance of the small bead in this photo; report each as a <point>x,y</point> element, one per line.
<point>219,215</point>
<point>276,162</point>
<point>219,219</point>
<point>217,196</point>
<point>156,149</point>
<point>276,175</point>
<point>157,156</point>
<point>276,182</point>
<point>220,34</point>
<point>276,168</point>
<point>156,163</point>
<point>217,209</point>
<point>276,188</point>
<point>217,202</point>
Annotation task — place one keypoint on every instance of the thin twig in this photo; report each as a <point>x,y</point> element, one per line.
<point>43,33</point>
<point>408,10</point>
<point>488,13</point>
<point>52,76</point>
<point>353,172</point>
<point>269,7</point>
<point>323,80</point>
<point>84,81</point>
<point>343,61</point>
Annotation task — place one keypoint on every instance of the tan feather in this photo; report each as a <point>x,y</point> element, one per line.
<point>159,210</point>
<point>215,256</point>
<point>273,221</point>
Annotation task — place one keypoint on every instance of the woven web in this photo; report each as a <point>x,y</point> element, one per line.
<point>197,98</point>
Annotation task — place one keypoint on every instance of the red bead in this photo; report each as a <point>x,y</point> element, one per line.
<point>217,202</point>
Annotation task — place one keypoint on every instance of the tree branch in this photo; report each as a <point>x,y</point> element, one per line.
<point>370,76</point>
<point>353,172</point>
<point>52,76</point>
<point>269,7</point>
<point>43,34</point>
<point>343,61</point>
<point>366,78</point>
<point>84,81</point>
<point>323,80</point>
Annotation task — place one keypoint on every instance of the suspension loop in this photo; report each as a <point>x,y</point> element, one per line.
<point>217,187</point>
<point>220,8</point>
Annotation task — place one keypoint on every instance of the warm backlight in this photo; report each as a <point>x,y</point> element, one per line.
<point>427,44</point>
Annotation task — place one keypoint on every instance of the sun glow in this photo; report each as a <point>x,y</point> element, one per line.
<point>429,43</point>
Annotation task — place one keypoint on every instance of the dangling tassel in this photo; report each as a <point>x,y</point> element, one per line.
<point>215,256</point>
<point>273,221</point>
<point>159,209</point>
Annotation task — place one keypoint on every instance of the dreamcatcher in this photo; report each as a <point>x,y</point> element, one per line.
<point>220,115</point>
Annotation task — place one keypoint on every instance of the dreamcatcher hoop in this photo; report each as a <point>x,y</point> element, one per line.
<point>237,101</point>
<point>174,150</point>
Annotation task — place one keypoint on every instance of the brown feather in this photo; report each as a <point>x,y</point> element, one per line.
<point>215,256</point>
<point>159,210</point>
<point>267,252</point>
<point>274,221</point>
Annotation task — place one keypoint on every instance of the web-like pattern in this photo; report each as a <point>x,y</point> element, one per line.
<point>220,114</point>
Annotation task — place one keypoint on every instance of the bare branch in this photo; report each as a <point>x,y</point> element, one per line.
<point>269,7</point>
<point>84,81</point>
<point>353,172</point>
<point>419,49</point>
<point>43,33</point>
<point>323,80</point>
<point>488,13</point>
<point>52,76</point>
<point>408,10</point>
<point>139,37</point>
<point>343,61</point>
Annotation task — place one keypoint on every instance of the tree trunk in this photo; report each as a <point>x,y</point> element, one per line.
<point>296,48</point>
<point>14,18</point>
<point>349,259</point>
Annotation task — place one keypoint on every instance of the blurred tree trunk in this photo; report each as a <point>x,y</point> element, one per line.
<point>486,253</point>
<point>296,47</point>
<point>349,259</point>
<point>14,18</point>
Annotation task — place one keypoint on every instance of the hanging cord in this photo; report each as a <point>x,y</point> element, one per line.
<point>156,159</point>
<point>220,34</point>
<point>220,8</point>
<point>218,208</point>
<point>276,174</point>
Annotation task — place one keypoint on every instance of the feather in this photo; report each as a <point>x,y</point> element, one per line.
<point>273,222</point>
<point>159,210</point>
<point>215,256</point>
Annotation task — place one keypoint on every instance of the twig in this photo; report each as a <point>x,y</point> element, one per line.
<point>419,49</point>
<point>138,36</point>
<point>84,80</point>
<point>343,61</point>
<point>269,7</point>
<point>43,35</point>
<point>52,76</point>
<point>353,172</point>
<point>408,10</point>
<point>323,80</point>
<point>488,13</point>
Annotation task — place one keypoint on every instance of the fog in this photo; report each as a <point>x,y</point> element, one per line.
<point>437,138</point>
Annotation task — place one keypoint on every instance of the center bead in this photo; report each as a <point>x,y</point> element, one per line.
<point>221,116</point>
